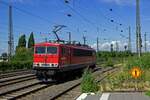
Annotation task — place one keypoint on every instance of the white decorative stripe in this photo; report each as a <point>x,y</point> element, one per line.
<point>105,96</point>
<point>45,64</point>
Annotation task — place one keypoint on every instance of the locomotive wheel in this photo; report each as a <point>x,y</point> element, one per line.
<point>38,75</point>
<point>45,76</point>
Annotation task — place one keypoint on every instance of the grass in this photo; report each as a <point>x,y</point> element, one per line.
<point>122,80</point>
<point>147,93</point>
<point>88,83</point>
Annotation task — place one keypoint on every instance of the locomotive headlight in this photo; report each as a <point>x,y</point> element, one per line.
<point>52,65</point>
<point>36,65</point>
<point>56,65</point>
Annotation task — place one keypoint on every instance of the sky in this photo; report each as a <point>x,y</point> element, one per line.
<point>104,19</point>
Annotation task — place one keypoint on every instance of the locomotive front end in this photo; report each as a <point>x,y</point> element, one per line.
<point>46,59</point>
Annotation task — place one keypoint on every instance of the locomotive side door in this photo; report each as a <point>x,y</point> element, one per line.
<point>68,55</point>
<point>65,55</point>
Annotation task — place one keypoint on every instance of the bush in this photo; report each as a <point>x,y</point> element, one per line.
<point>106,54</point>
<point>109,62</point>
<point>8,66</point>
<point>22,59</point>
<point>111,58</point>
<point>147,93</point>
<point>142,62</point>
<point>22,54</point>
<point>88,83</point>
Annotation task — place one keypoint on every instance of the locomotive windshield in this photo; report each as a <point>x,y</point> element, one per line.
<point>46,50</point>
<point>40,50</point>
<point>51,50</point>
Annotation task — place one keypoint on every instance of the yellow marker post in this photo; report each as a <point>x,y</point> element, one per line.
<point>136,72</point>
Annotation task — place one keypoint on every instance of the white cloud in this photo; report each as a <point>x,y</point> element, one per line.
<point>120,2</point>
<point>148,43</point>
<point>106,45</point>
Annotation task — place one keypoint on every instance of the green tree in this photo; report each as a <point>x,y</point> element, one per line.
<point>22,55</point>
<point>22,41</point>
<point>31,41</point>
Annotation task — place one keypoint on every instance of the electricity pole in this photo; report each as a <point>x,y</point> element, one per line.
<point>69,37</point>
<point>129,41</point>
<point>84,40</point>
<point>138,28</point>
<point>45,39</point>
<point>10,35</point>
<point>97,44</point>
<point>117,46</point>
<point>145,45</point>
<point>111,48</point>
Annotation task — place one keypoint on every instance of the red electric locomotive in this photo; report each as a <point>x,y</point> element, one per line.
<point>54,59</point>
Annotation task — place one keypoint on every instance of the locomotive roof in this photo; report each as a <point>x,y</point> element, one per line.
<point>68,45</point>
<point>46,44</point>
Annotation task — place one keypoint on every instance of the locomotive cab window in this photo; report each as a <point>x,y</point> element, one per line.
<point>44,50</point>
<point>51,50</point>
<point>40,50</point>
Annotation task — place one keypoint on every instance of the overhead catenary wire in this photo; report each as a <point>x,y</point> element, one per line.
<point>29,13</point>
<point>46,20</point>
<point>78,13</point>
<point>117,15</point>
<point>91,22</point>
<point>104,16</point>
<point>26,12</point>
<point>61,4</point>
<point>33,15</point>
<point>37,16</point>
<point>111,19</point>
<point>21,29</point>
<point>17,28</point>
<point>84,18</point>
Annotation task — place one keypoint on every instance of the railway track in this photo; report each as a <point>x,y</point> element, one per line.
<point>56,90</point>
<point>14,94</point>
<point>73,94</point>
<point>12,89</point>
<point>13,84</point>
<point>11,92</point>
<point>99,79</point>
<point>16,79</point>
<point>14,73</point>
